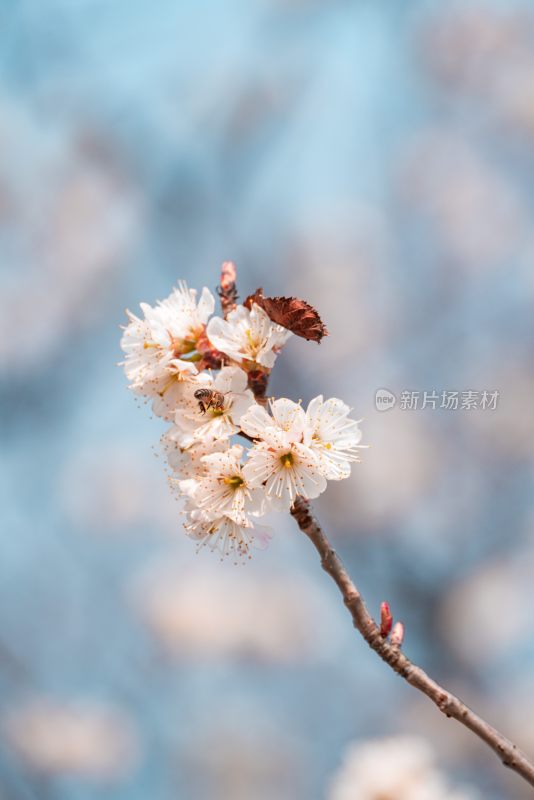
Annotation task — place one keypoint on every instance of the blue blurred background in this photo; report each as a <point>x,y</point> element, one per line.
<point>375,158</point>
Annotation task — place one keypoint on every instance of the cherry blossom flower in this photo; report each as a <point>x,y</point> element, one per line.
<point>281,461</point>
<point>224,488</point>
<point>161,349</point>
<point>248,335</point>
<point>173,393</point>
<point>224,535</point>
<point>185,462</point>
<point>335,439</point>
<point>148,364</point>
<point>194,424</point>
<point>286,416</point>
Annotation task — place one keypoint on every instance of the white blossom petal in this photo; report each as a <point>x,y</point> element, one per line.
<point>248,335</point>
<point>223,488</point>
<point>160,348</point>
<point>231,379</point>
<point>206,305</point>
<point>226,536</point>
<point>333,437</point>
<point>185,462</point>
<point>256,421</point>
<point>286,471</point>
<point>174,388</point>
<point>290,417</point>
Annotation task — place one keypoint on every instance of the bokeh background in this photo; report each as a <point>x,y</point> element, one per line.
<point>375,158</point>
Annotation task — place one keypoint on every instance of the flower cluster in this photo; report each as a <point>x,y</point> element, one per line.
<point>202,374</point>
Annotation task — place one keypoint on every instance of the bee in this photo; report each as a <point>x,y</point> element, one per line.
<point>209,398</point>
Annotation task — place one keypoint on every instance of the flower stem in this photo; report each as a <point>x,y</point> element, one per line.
<point>448,704</point>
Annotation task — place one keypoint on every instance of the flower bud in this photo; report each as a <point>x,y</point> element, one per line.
<point>228,275</point>
<point>397,634</point>
<point>386,620</point>
<point>227,290</point>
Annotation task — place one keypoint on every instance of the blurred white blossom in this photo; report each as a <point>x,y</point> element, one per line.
<point>91,740</point>
<point>201,611</point>
<point>400,768</point>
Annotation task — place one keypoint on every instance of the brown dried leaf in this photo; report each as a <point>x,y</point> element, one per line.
<point>296,315</point>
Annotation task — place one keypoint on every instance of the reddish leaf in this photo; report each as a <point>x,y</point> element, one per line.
<point>296,315</point>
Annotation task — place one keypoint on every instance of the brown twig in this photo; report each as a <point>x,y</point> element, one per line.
<point>447,703</point>
<point>258,381</point>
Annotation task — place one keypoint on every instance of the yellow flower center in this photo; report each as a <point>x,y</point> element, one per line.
<point>186,348</point>
<point>193,356</point>
<point>287,460</point>
<point>235,481</point>
<point>253,342</point>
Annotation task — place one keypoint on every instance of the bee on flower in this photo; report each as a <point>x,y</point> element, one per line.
<point>198,422</point>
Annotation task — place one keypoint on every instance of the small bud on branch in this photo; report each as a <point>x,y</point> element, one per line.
<point>397,634</point>
<point>386,620</point>
<point>227,290</point>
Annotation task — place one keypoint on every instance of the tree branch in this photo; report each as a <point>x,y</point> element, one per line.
<point>447,703</point>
